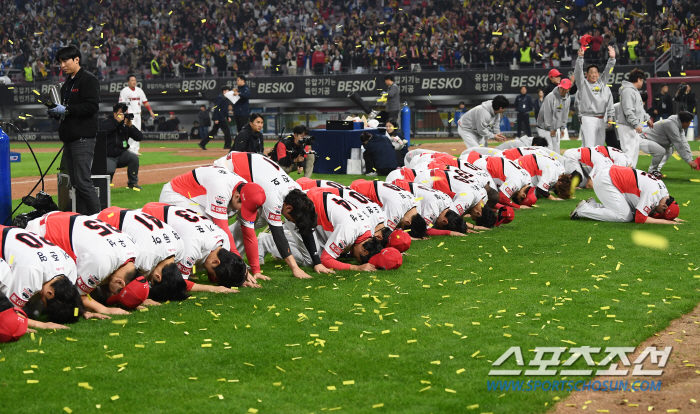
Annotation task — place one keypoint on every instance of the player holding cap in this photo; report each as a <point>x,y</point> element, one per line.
<point>483,122</point>
<point>628,195</point>
<point>631,115</point>
<point>40,271</point>
<point>399,206</point>
<point>134,97</point>
<point>513,182</point>
<point>547,174</point>
<point>594,99</point>
<point>666,133</point>
<point>104,258</point>
<point>554,114</point>
<point>13,320</point>
<point>218,194</point>
<point>280,201</point>
<point>205,245</point>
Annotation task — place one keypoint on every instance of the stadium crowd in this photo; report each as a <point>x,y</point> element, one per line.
<point>169,38</point>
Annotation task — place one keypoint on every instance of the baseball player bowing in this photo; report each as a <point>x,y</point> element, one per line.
<point>40,271</point>
<point>626,195</point>
<point>104,258</point>
<point>399,206</point>
<point>218,193</point>
<point>277,185</point>
<point>160,250</point>
<point>205,245</point>
<point>547,174</point>
<point>513,182</point>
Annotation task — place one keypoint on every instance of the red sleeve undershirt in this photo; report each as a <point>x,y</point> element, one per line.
<point>503,199</point>
<point>639,217</point>
<point>189,284</point>
<point>332,263</point>
<point>435,232</point>
<point>250,241</point>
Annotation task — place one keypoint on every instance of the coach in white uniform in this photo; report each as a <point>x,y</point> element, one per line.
<point>483,122</point>
<point>594,99</point>
<point>630,115</point>
<point>134,97</point>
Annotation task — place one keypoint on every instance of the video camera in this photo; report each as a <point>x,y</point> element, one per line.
<point>300,147</point>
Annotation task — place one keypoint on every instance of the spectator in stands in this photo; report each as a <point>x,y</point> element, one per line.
<point>318,59</point>
<point>523,105</point>
<point>172,124</point>
<point>250,139</point>
<point>241,109</point>
<point>379,155</point>
<point>663,104</point>
<point>119,130</point>
<point>28,73</point>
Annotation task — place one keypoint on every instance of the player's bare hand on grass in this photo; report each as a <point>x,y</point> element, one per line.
<point>260,276</point>
<point>300,274</point>
<point>29,330</point>
<point>525,207</point>
<point>367,267</point>
<point>470,231</point>
<point>91,315</point>
<point>46,325</point>
<point>223,289</point>
<point>677,220</point>
<point>481,228</point>
<point>251,282</point>
<point>456,233</point>
<point>551,197</point>
<point>420,238</point>
<point>320,268</point>
<point>116,311</point>
<point>150,302</point>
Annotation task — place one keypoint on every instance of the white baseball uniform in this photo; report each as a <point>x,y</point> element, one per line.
<point>29,262</point>
<point>97,248</point>
<point>395,201</point>
<point>544,171</point>
<point>200,236</point>
<point>431,203</point>
<point>155,239</point>
<point>464,189</point>
<point>414,157</point>
<point>134,98</point>
<point>508,175</point>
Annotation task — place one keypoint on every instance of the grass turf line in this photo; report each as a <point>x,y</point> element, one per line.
<point>543,246</point>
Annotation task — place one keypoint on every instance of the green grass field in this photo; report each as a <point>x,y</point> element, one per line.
<point>417,340</point>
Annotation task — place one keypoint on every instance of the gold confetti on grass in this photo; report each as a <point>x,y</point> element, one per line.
<point>646,239</point>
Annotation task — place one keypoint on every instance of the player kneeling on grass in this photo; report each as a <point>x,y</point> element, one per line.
<point>218,194</point>
<point>524,142</point>
<point>547,174</point>
<point>205,245</point>
<point>103,255</point>
<point>277,186</point>
<point>628,194</point>
<point>160,250</point>
<point>42,276</point>
<point>666,133</point>
<point>414,157</point>
<point>13,320</point>
<point>399,206</point>
<point>513,182</point>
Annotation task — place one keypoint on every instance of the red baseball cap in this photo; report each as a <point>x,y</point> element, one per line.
<point>531,198</point>
<point>697,163</point>
<point>505,215</point>
<point>132,295</point>
<point>252,198</point>
<point>172,113</point>
<point>399,240</point>
<point>388,259</point>
<point>554,73</point>
<point>13,324</point>
<point>672,211</point>
<point>585,40</point>
<point>565,84</point>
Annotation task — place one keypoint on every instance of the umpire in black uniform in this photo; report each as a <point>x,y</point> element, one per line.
<point>77,113</point>
<point>119,129</point>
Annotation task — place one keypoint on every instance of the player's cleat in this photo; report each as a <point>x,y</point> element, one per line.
<point>134,187</point>
<point>574,214</point>
<point>658,175</point>
<point>201,146</point>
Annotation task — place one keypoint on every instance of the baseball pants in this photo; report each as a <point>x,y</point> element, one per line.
<point>472,140</point>
<point>266,245</point>
<point>659,154</point>
<point>592,131</point>
<point>629,142</point>
<point>614,205</point>
<point>170,196</point>
<point>135,146</point>
<point>553,142</point>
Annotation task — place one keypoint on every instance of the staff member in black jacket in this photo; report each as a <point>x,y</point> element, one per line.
<point>119,130</point>
<point>221,121</point>
<point>77,112</point>
<point>291,155</point>
<point>250,139</point>
<point>241,109</point>
<point>379,156</point>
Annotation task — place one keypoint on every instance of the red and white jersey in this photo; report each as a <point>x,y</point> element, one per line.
<point>340,223</point>
<point>308,184</point>
<point>257,168</point>
<point>465,191</point>
<point>97,248</point>
<point>134,98</point>
<point>618,157</point>
<point>474,153</point>
<point>431,203</point>
<point>507,174</point>
<point>515,153</point>
<point>413,157</point>
<point>155,239</point>
<point>404,173</point>
<point>600,156</point>
<point>32,262</point>
<point>642,191</point>
<point>481,176</point>
<point>211,187</point>
<point>200,236</point>
<point>372,210</point>
<point>544,171</point>
<point>395,201</point>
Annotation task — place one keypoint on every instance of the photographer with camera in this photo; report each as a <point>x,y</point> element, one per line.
<point>77,113</point>
<point>120,130</point>
<point>293,152</point>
